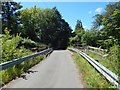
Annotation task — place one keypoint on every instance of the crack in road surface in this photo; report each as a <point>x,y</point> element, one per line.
<point>56,71</point>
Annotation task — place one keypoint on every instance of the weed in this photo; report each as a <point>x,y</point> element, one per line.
<point>92,78</point>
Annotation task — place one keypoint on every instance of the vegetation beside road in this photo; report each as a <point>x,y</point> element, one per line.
<point>28,30</point>
<point>40,25</point>
<point>91,77</point>
<point>109,60</point>
<point>13,47</point>
<point>105,31</point>
<point>105,34</point>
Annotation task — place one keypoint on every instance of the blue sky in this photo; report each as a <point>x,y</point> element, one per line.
<point>72,11</point>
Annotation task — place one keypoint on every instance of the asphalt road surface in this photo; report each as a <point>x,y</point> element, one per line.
<point>57,71</point>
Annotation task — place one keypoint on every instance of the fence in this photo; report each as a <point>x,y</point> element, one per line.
<point>19,60</point>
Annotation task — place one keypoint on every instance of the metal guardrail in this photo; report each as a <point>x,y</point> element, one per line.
<point>109,75</point>
<point>19,60</point>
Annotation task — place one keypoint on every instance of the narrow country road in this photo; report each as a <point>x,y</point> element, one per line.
<point>57,71</point>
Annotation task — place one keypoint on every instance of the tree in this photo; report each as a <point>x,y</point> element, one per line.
<point>30,22</point>
<point>10,16</point>
<point>59,30</point>
<point>112,25</point>
<point>90,37</point>
<point>109,20</point>
<point>47,24</point>
<point>78,26</point>
<point>98,21</point>
<point>77,34</point>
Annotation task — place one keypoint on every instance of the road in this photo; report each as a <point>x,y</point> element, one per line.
<point>57,71</point>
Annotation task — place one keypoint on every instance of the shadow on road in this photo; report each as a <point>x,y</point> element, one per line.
<point>31,71</point>
<point>28,72</point>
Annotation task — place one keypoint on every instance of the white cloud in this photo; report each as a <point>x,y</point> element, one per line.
<point>98,10</point>
<point>84,26</point>
<point>90,12</point>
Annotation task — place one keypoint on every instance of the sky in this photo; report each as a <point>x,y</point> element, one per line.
<point>73,11</point>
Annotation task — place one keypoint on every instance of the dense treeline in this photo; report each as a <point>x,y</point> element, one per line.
<point>29,28</point>
<point>105,33</point>
<point>40,25</point>
<point>27,31</point>
<point>109,20</point>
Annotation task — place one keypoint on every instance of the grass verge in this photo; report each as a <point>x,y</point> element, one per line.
<point>111,65</point>
<point>91,77</point>
<point>15,71</point>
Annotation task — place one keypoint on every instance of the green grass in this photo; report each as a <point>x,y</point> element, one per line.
<point>11,73</point>
<point>104,61</point>
<point>91,77</point>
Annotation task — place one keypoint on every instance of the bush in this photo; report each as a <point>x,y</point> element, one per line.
<point>28,43</point>
<point>11,49</point>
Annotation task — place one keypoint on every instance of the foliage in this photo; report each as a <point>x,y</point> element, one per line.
<point>76,37</point>
<point>78,26</point>
<point>105,31</point>
<point>37,23</point>
<point>92,78</point>
<point>30,22</point>
<point>13,45</point>
<point>11,73</point>
<point>114,57</point>
<point>28,43</point>
<point>109,20</point>
<point>97,22</point>
<point>9,46</point>
<point>10,16</point>
<point>90,37</point>
<point>11,49</point>
<point>110,61</point>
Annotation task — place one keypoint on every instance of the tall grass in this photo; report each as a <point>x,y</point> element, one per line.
<point>110,60</point>
<point>91,77</point>
<point>11,73</point>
